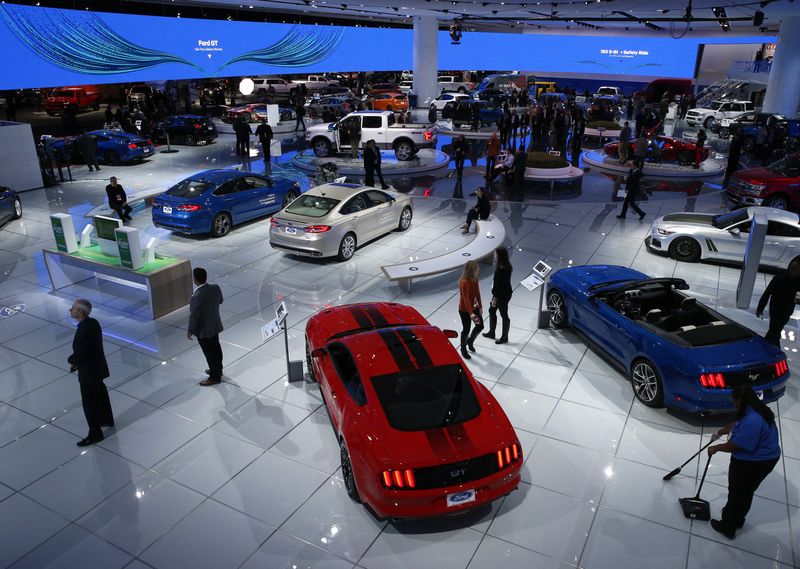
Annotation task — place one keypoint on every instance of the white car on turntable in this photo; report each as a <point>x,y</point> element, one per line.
<point>689,236</point>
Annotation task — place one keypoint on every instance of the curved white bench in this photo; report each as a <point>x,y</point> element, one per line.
<point>491,235</point>
<point>135,200</point>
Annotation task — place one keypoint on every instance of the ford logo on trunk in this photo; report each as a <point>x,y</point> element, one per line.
<point>460,497</point>
<point>753,376</point>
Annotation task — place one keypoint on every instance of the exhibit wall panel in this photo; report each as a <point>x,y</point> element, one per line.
<point>19,163</point>
<point>46,47</point>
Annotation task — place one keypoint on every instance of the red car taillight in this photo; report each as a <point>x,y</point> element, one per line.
<point>509,455</point>
<point>273,222</point>
<point>189,207</point>
<point>713,381</point>
<point>428,135</point>
<point>318,228</point>
<point>781,368</point>
<point>132,146</point>
<point>198,126</point>
<point>399,479</point>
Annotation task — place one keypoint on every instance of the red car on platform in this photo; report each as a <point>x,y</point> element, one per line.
<point>418,435</point>
<point>664,149</point>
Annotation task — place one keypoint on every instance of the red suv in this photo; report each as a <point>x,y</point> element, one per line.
<point>776,185</point>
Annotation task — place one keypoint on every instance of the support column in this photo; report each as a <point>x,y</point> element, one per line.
<point>426,58</point>
<point>783,87</point>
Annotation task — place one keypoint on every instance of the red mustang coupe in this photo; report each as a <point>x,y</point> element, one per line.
<point>664,149</point>
<point>418,435</point>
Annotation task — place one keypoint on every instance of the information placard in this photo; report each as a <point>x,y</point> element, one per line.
<point>537,277</point>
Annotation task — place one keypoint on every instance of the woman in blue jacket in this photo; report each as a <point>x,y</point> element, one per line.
<point>754,448</point>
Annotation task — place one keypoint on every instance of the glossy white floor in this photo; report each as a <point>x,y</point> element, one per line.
<point>246,474</point>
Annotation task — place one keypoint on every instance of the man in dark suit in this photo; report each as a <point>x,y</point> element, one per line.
<point>89,360</point>
<point>264,134</point>
<point>206,324</point>
<point>780,294</point>
<point>87,144</point>
<point>118,200</point>
<point>632,188</point>
<point>372,165</point>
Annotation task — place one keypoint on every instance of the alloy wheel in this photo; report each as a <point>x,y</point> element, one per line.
<point>645,382</point>
<point>555,304</point>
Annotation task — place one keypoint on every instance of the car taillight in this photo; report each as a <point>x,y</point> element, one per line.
<point>132,146</point>
<point>399,479</point>
<point>198,125</point>
<point>713,381</point>
<point>428,135</point>
<point>188,207</point>
<point>318,228</point>
<point>781,367</point>
<point>509,455</point>
<point>273,222</point>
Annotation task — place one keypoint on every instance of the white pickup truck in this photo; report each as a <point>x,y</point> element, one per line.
<point>719,110</point>
<point>316,82</point>
<point>380,126</point>
<point>451,83</point>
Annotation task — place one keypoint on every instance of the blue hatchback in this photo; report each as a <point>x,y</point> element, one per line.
<point>215,200</point>
<point>676,351</point>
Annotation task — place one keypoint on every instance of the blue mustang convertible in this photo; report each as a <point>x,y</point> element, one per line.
<point>676,351</point>
<point>114,147</point>
<point>215,200</point>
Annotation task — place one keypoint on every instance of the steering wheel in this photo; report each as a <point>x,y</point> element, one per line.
<point>629,309</point>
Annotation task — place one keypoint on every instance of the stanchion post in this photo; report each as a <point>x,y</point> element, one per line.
<point>169,149</point>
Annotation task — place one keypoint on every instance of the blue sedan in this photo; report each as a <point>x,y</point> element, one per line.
<point>10,205</point>
<point>114,147</point>
<point>215,200</point>
<point>676,351</point>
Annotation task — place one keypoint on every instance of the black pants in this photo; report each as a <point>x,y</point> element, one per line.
<point>123,211</point>
<point>490,162</point>
<point>472,215</point>
<point>300,122</point>
<point>460,166</point>
<point>369,179</point>
<point>265,149</point>
<point>96,406</point>
<point>213,353</point>
<point>776,324</point>
<point>502,306</point>
<point>468,337</point>
<point>630,200</point>
<point>744,478</point>
<point>243,145</point>
<point>91,160</point>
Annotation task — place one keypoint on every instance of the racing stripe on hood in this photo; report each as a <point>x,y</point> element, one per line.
<point>397,348</point>
<point>415,347</point>
<point>376,316</point>
<point>361,317</point>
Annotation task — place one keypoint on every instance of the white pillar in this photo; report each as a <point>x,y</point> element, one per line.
<point>426,58</point>
<point>783,87</point>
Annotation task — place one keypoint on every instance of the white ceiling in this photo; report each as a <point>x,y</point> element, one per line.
<point>519,16</point>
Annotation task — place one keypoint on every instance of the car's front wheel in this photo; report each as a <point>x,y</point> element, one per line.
<point>404,150</point>
<point>685,249</point>
<point>309,363</point>
<point>17,209</point>
<point>647,384</point>
<point>347,247</point>
<point>405,219</point>
<point>321,148</point>
<point>189,140</point>
<point>749,144</point>
<point>558,309</point>
<point>707,122</point>
<point>777,202</point>
<point>221,225</point>
<point>348,475</point>
<point>112,158</point>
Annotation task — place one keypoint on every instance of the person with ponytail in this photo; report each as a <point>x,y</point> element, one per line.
<point>754,448</point>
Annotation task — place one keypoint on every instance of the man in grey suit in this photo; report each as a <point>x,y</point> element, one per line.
<point>206,324</point>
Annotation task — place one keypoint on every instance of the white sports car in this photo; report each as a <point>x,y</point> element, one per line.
<point>440,101</point>
<point>692,236</point>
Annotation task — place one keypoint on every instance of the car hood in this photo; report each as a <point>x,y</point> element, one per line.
<point>324,127</point>
<point>686,218</point>
<point>485,434</point>
<point>759,175</point>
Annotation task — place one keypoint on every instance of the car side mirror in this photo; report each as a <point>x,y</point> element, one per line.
<point>735,232</point>
<point>319,353</point>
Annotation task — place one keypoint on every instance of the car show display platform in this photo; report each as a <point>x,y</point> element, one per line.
<point>426,160</point>
<point>709,168</point>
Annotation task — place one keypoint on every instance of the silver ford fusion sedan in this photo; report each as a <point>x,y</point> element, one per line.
<point>690,236</point>
<point>334,219</point>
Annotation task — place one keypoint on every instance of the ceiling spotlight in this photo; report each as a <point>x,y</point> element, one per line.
<point>758,18</point>
<point>722,18</point>
<point>687,13</point>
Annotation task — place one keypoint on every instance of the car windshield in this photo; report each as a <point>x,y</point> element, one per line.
<point>189,188</point>
<point>140,89</point>
<point>789,166</point>
<point>312,206</point>
<point>732,218</point>
<point>63,93</point>
<point>423,399</point>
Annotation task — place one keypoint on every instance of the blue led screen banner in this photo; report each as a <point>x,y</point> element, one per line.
<point>47,47</point>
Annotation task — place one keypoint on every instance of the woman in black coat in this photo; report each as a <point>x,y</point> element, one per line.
<point>480,211</point>
<point>501,295</point>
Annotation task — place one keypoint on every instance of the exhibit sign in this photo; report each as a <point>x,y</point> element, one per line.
<point>106,233</point>
<point>129,248</point>
<point>270,329</point>
<point>64,232</point>
<point>537,277</point>
<point>51,47</point>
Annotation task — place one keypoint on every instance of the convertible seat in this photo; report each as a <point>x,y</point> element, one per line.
<point>684,316</point>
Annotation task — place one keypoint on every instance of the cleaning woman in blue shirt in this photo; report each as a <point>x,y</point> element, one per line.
<point>753,444</point>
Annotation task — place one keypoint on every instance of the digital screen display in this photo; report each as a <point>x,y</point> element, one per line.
<point>105,226</point>
<point>52,47</point>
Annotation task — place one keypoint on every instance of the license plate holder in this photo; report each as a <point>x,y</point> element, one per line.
<point>291,231</point>
<point>460,498</point>
<point>167,209</point>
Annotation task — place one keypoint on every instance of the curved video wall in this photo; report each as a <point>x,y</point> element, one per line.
<point>46,47</point>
